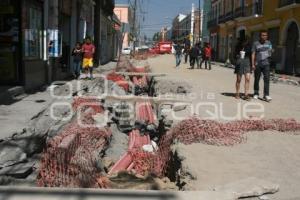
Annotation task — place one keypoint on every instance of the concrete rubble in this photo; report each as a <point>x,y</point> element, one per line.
<point>11,155</point>
<point>250,187</point>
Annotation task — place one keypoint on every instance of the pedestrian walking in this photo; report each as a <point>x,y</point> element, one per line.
<point>77,60</point>
<point>88,50</point>
<point>178,53</point>
<point>187,48</point>
<point>194,56</point>
<point>243,67</point>
<point>261,54</point>
<point>207,53</point>
<point>186,53</point>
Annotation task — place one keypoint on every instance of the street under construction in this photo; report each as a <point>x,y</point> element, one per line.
<point>125,139</point>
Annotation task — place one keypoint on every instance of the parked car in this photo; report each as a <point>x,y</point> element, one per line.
<point>126,51</point>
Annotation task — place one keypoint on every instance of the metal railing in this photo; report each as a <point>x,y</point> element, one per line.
<point>283,3</point>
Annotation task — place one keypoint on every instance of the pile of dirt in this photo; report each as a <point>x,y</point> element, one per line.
<point>171,86</point>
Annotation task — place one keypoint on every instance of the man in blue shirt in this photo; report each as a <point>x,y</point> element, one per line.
<point>178,53</point>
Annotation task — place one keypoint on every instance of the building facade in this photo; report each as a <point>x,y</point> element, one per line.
<point>187,27</point>
<point>110,27</point>
<point>206,11</point>
<point>231,20</point>
<point>124,13</point>
<point>36,37</point>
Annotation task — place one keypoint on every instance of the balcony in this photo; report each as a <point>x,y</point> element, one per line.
<point>212,23</point>
<point>248,11</point>
<point>212,20</point>
<point>229,16</point>
<point>222,19</point>
<point>238,12</point>
<point>245,12</point>
<point>283,3</point>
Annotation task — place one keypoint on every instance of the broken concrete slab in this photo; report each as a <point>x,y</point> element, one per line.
<point>118,144</point>
<point>170,85</point>
<point>30,145</point>
<point>250,187</point>
<point>101,119</point>
<point>178,108</point>
<point>21,170</point>
<point>10,155</point>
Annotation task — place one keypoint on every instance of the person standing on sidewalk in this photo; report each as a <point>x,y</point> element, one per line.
<point>178,53</point>
<point>194,56</point>
<point>88,50</point>
<point>243,67</point>
<point>207,56</point>
<point>261,54</point>
<point>77,59</point>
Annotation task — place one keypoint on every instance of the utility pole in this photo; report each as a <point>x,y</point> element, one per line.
<point>134,24</point>
<point>199,21</point>
<point>193,25</point>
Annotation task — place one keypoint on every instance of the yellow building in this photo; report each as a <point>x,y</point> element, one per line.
<point>234,19</point>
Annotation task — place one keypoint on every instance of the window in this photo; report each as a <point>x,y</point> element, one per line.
<point>33,34</point>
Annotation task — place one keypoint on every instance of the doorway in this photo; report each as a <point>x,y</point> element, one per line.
<point>9,42</point>
<point>291,48</point>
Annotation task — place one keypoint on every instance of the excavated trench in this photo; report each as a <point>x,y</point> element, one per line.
<point>116,155</point>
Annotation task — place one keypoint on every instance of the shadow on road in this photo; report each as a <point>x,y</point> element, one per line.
<point>81,194</point>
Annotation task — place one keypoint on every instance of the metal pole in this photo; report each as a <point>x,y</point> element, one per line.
<point>199,21</point>
<point>134,24</point>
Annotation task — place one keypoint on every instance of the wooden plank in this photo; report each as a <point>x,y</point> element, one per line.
<point>140,74</point>
<point>146,98</point>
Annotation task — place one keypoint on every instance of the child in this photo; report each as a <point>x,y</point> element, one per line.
<point>77,59</point>
<point>88,50</point>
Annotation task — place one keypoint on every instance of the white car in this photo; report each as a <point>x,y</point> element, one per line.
<point>126,51</point>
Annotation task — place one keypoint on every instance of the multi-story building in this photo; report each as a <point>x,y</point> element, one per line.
<point>169,34</point>
<point>206,11</point>
<point>188,27</point>
<point>125,14</point>
<point>176,27</point>
<point>231,20</point>
<point>109,32</point>
<point>163,34</point>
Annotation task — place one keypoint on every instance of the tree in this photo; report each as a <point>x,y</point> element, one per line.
<point>156,36</point>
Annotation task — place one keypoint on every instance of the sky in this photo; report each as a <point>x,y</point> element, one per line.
<point>160,13</point>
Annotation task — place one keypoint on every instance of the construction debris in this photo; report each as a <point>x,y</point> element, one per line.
<point>250,187</point>
<point>71,159</point>
<point>195,130</point>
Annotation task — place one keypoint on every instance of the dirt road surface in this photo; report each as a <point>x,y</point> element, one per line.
<point>271,156</point>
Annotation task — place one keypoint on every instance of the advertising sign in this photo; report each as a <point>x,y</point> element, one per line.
<point>54,43</point>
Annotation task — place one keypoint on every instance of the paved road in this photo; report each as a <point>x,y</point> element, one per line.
<point>272,156</point>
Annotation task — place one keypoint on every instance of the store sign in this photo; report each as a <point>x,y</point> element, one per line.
<point>54,43</point>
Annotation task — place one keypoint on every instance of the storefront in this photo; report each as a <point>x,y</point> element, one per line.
<point>21,43</point>
<point>10,40</point>
<point>64,27</point>
<point>33,65</point>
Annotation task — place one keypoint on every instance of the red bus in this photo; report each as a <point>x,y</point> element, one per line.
<point>165,47</point>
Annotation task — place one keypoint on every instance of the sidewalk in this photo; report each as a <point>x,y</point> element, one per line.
<point>20,108</point>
